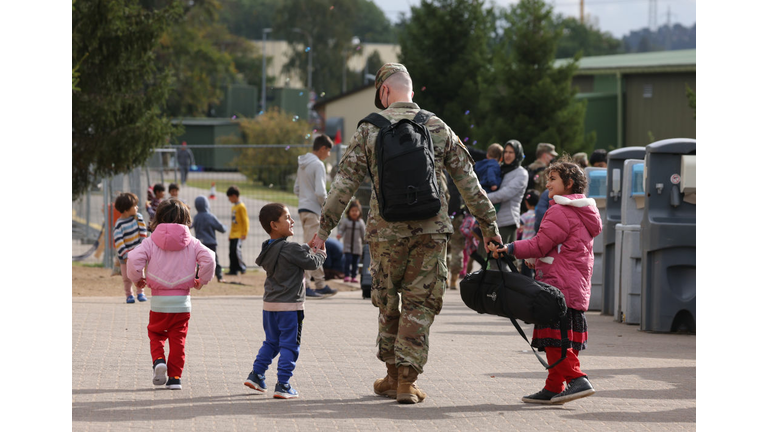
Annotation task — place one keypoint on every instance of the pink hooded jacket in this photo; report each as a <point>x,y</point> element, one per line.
<point>563,247</point>
<point>171,256</point>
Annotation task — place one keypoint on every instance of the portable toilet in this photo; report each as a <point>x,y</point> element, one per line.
<point>597,189</point>
<point>628,258</point>
<point>668,237</point>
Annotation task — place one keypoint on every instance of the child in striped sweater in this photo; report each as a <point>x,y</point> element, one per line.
<point>128,233</point>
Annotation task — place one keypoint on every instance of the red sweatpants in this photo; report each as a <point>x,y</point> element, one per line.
<point>171,326</point>
<point>568,370</point>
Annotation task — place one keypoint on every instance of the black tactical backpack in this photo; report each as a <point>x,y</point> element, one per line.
<point>405,155</point>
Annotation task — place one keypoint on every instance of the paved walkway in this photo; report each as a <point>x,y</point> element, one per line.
<point>478,370</point>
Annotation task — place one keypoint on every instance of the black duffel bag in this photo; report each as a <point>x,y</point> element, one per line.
<point>515,296</point>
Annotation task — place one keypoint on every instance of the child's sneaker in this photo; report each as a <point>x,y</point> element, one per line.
<point>354,280</point>
<point>256,382</point>
<point>326,291</point>
<point>285,391</point>
<point>130,299</point>
<point>346,278</point>
<point>141,298</point>
<point>173,383</point>
<point>159,368</point>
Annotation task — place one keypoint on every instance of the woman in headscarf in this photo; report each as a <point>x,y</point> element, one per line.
<point>514,180</point>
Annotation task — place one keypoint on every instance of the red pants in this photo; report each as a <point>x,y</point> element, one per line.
<point>568,369</point>
<point>171,326</point>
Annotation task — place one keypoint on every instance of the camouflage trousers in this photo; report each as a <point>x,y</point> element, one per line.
<point>413,269</point>
<point>456,246</point>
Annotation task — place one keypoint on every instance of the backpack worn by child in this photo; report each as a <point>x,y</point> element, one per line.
<point>405,155</point>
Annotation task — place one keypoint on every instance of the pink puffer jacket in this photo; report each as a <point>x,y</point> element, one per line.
<point>563,247</point>
<point>171,256</point>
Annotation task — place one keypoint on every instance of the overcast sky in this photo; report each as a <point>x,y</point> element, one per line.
<point>618,17</point>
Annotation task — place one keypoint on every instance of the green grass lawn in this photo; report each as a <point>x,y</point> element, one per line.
<point>250,190</point>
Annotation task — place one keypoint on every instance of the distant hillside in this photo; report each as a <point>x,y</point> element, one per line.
<point>666,38</point>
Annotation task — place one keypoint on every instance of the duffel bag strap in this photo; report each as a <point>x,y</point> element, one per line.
<point>564,342</point>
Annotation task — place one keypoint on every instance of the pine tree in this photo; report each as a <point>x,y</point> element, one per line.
<point>444,46</point>
<point>524,96</point>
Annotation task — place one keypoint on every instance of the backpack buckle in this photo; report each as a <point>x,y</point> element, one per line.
<point>492,296</point>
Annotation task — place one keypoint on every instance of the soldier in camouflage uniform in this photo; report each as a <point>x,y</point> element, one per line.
<point>407,258</point>
<point>545,152</point>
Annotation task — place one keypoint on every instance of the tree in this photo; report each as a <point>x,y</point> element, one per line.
<point>444,45</point>
<point>116,114</point>
<point>585,38</point>
<point>271,165</point>
<point>525,97</point>
<point>194,50</point>
<point>691,95</point>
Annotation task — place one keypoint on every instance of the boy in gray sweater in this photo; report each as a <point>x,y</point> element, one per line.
<point>284,293</point>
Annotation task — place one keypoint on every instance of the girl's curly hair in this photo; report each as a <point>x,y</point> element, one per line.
<point>567,169</point>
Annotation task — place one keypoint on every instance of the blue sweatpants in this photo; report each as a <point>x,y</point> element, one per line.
<point>283,336</point>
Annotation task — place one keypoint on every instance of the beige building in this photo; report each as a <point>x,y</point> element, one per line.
<point>352,106</point>
<point>280,51</point>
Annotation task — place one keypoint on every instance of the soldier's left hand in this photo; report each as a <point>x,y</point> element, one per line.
<point>487,242</point>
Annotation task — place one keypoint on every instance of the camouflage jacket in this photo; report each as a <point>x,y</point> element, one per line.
<point>450,156</point>
<point>536,178</point>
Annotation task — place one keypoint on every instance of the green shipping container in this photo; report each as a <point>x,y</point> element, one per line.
<point>209,131</point>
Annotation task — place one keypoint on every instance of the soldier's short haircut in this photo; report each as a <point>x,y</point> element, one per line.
<point>125,201</point>
<point>321,141</point>
<point>401,82</point>
<point>495,151</point>
<point>568,170</point>
<point>271,213</point>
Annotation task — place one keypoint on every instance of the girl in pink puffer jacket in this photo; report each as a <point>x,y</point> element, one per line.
<point>171,257</point>
<point>561,254</point>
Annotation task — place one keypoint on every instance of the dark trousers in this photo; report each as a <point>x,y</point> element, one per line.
<point>350,264</point>
<point>216,257</point>
<point>283,336</point>
<point>184,170</point>
<point>236,264</point>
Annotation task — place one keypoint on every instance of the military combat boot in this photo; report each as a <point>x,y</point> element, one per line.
<point>387,386</point>
<point>407,391</point>
<point>454,278</point>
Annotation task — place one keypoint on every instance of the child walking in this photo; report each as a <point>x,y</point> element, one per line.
<point>171,257</point>
<point>284,293</point>
<point>564,259</point>
<point>237,233</point>
<point>128,233</point>
<point>205,225</point>
<point>352,228</point>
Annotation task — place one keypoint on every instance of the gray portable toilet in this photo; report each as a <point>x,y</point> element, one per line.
<point>616,160</point>
<point>597,189</point>
<point>628,258</point>
<point>668,237</point>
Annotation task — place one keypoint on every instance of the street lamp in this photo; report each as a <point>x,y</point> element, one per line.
<point>264,68</point>
<point>309,61</point>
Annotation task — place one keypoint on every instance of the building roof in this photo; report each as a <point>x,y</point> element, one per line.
<point>651,62</point>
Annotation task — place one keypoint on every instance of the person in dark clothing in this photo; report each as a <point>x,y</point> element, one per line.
<point>205,225</point>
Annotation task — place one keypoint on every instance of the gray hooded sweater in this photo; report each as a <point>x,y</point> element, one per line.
<point>285,263</point>
<point>206,223</point>
<point>310,183</point>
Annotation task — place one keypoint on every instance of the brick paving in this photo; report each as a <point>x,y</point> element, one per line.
<point>478,369</point>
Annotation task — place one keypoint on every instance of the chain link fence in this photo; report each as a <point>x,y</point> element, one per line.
<point>263,173</point>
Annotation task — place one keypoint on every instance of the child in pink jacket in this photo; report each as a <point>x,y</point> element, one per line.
<point>561,255</point>
<point>167,263</point>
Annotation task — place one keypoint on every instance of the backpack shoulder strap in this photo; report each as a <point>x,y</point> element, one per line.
<point>375,119</point>
<point>422,117</point>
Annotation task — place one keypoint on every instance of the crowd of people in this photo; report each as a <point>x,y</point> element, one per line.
<point>486,206</point>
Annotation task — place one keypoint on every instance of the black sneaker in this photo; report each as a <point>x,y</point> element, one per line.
<point>543,397</point>
<point>159,368</point>
<point>576,389</point>
<point>173,383</point>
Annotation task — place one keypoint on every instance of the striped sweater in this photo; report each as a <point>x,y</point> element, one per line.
<point>128,233</point>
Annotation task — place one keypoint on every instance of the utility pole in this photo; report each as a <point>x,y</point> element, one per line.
<point>581,11</point>
<point>652,15</point>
